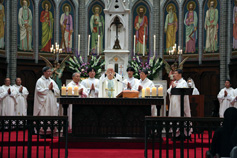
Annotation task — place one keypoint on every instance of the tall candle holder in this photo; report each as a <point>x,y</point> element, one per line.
<point>175,53</point>
<point>56,50</point>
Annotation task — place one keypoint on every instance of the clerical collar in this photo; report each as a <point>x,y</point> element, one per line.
<point>91,78</point>
<point>46,78</point>
<point>144,79</point>
<point>131,78</point>
<point>76,83</point>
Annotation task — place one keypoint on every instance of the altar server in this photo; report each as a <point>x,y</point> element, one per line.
<point>7,99</point>
<point>21,98</point>
<point>91,84</point>
<point>130,83</point>
<point>225,97</point>
<point>76,77</point>
<point>191,84</point>
<point>46,93</point>
<point>175,107</point>
<point>143,83</point>
<point>110,83</point>
<point>234,100</point>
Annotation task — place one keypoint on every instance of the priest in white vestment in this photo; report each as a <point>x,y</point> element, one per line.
<point>225,97</point>
<point>21,98</point>
<point>91,84</point>
<point>110,83</point>
<point>76,77</point>
<point>175,107</point>
<point>191,84</point>
<point>234,100</point>
<point>130,83</point>
<point>7,99</point>
<point>46,93</point>
<point>143,83</point>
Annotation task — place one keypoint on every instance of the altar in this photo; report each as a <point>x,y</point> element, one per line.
<point>107,118</point>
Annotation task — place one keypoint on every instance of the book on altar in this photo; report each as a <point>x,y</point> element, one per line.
<point>128,94</point>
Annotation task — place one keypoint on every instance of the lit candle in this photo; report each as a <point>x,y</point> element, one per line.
<point>89,37</point>
<point>181,51</point>
<point>63,90</point>
<point>143,93</point>
<point>148,91</point>
<point>54,51</point>
<point>51,49</point>
<point>52,46</point>
<point>76,91</point>
<point>98,45</point>
<point>160,91</point>
<point>175,45</point>
<point>178,47</point>
<point>78,49</point>
<point>153,91</point>
<point>134,45</point>
<point>143,52</point>
<point>69,91</point>
<point>154,45</point>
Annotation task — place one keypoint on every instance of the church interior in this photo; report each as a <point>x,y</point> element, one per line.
<point>156,37</point>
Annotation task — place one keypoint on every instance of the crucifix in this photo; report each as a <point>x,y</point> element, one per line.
<point>121,69</point>
<point>116,23</point>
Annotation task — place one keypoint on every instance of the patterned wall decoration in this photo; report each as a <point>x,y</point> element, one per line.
<point>46,25</point>
<point>66,20</point>
<point>191,12</point>
<point>211,26</point>
<point>141,27</point>
<point>25,25</point>
<point>2,24</point>
<point>170,26</point>
<point>96,25</point>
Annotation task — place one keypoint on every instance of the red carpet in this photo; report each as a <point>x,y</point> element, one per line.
<point>94,149</point>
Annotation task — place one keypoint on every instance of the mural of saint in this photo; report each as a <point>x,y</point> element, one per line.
<point>211,27</point>
<point>25,24</point>
<point>141,27</point>
<point>235,25</point>
<point>171,27</point>
<point>2,24</point>
<point>46,18</point>
<point>97,26</point>
<point>190,22</point>
<point>66,23</point>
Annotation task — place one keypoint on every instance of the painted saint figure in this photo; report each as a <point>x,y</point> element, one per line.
<point>190,22</point>
<point>25,24</point>
<point>141,27</point>
<point>171,27</point>
<point>97,25</point>
<point>2,24</point>
<point>46,18</point>
<point>211,27</point>
<point>66,23</point>
<point>235,26</point>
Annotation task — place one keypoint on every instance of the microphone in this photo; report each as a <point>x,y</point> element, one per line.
<point>121,81</point>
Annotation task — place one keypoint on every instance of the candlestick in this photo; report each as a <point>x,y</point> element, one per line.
<point>76,91</point>
<point>78,49</point>
<point>63,90</point>
<point>89,37</point>
<point>69,91</point>
<point>160,91</point>
<point>134,45</point>
<point>143,52</point>
<point>153,91</point>
<point>52,46</point>
<point>148,91</point>
<point>98,45</point>
<point>154,45</point>
<point>143,93</point>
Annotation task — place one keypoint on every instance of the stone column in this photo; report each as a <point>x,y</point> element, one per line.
<point>156,24</point>
<point>82,28</point>
<point>230,35</point>
<point>35,31</point>
<point>200,32</point>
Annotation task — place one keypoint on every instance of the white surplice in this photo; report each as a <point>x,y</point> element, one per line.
<point>175,107</point>
<point>104,86</point>
<point>87,84</point>
<point>133,82</point>
<point>7,101</point>
<point>225,102</point>
<point>69,109</point>
<point>147,83</point>
<point>234,100</point>
<point>45,100</point>
<point>21,99</point>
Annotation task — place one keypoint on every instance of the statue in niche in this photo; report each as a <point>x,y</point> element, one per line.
<point>2,24</point>
<point>46,18</point>
<point>66,23</point>
<point>25,24</point>
<point>141,27</point>
<point>97,25</point>
<point>190,22</point>
<point>235,26</point>
<point>211,27</point>
<point>171,27</point>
